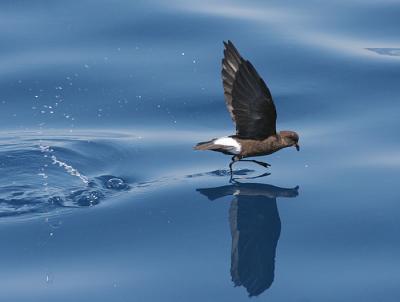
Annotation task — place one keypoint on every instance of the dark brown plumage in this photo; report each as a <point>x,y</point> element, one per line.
<point>247,97</point>
<point>253,111</point>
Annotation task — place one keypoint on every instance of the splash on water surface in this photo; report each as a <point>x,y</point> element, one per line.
<point>48,179</point>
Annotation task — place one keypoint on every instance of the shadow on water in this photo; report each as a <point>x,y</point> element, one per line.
<point>255,228</point>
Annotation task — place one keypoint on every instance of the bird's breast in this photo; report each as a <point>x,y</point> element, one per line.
<point>258,147</point>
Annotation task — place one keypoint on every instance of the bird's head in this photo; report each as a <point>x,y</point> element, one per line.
<point>291,138</point>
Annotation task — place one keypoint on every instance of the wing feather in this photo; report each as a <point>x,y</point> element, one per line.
<point>247,97</point>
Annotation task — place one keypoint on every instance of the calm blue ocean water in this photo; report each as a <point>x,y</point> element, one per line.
<point>103,199</point>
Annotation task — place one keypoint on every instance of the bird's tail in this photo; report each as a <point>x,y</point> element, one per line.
<point>205,145</point>
<point>211,145</point>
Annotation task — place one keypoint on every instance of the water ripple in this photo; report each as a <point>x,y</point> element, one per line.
<point>42,178</point>
<point>394,52</point>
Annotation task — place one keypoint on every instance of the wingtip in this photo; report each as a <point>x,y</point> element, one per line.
<point>229,47</point>
<point>228,43</point>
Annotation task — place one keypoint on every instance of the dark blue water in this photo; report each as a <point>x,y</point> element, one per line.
<point>103,199</point>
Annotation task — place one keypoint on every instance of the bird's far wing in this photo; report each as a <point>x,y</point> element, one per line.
<point>248,98</point>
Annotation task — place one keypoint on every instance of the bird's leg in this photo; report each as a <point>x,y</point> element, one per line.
<point>232,180</point>
<point>265,165</point>
<point>230,165</point>
<point>234,159</point>
<point>259,176</point>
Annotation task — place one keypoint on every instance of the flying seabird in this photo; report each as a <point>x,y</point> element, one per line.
<point>252,109</point>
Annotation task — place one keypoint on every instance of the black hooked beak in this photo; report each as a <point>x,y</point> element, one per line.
<point>297,147</point>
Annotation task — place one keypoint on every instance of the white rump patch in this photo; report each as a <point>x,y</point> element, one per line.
<point>229,142</point>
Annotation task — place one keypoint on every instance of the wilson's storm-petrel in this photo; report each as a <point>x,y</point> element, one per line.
<point>252,109</point>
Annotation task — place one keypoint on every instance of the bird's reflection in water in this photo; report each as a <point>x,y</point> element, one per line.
<point>255,229</point>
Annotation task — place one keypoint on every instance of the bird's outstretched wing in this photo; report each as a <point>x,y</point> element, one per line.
<point>248,98</point>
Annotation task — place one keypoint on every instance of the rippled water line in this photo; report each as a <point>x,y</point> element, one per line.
<point>70,170</point>
<point>302,32</point>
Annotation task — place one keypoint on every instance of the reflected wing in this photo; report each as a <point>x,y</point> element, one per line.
<point>248,98</point>
<point>255,228</point>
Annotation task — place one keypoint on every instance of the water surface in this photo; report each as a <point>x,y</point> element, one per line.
<point>102,197</point>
